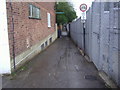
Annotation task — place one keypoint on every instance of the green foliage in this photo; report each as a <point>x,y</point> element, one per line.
<point>69,13</point>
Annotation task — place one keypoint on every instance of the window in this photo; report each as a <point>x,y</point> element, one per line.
<point>50,40</point>
<point>46,43</point>
<point>34,12</point>
<point>49,19</point>
<point>42,46</point>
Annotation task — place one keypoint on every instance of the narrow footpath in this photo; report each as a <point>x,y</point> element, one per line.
<point>59,66</point>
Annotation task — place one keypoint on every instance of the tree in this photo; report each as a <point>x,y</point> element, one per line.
<point>69,13</point>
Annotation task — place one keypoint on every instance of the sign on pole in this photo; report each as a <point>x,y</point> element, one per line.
<point>59,12</point>
<point>83,7</point>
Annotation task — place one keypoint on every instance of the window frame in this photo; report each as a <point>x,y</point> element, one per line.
<point>31,16</point>
<point>49,19</point>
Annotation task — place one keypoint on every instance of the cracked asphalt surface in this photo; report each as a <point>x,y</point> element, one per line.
<point>59,66</point>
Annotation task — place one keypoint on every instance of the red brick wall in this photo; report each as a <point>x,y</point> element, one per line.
<point>24,28</point>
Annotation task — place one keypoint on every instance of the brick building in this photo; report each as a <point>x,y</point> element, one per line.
<point>31,27</point>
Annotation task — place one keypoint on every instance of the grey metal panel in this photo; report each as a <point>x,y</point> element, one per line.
<point>113,58</point>
<point>95,33</point>
<point>102,38</point>
<point>88,34</point>
<point>119,44</point>
<point>76,30</point>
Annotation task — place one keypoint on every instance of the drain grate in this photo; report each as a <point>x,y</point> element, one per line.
<point>90,77</point>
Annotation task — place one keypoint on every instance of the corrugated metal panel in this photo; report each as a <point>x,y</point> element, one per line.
<point>76,30</point>
<point>101,37</point>
<point>119,44</point>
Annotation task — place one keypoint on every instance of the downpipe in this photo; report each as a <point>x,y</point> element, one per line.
<point>13,46</point>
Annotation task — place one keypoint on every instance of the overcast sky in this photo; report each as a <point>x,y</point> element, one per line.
<point>77,4</point>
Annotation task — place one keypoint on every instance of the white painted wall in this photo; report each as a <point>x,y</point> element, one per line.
<point>5,67</point>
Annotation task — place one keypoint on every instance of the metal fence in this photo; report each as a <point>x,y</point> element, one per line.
<point>76,32</point>
<point>101,37</point>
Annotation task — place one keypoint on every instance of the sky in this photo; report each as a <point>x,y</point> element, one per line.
<point>77,3</point>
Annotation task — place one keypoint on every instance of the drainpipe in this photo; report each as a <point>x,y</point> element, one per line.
<point>13,36</point>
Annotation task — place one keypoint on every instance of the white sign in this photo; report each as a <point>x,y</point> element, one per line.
<point>82,20</point>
